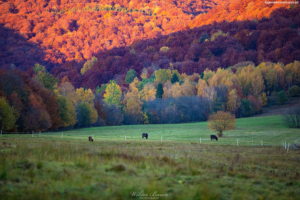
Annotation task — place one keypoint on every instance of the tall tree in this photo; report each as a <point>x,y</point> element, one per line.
<point>67,111</point>
<point>233,102</point>
<point>201,85</point>
<point>174,78</point>
<point>159,91</point>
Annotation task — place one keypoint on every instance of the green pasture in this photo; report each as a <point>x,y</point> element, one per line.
<point>50,166</point>
<point>268,130</point>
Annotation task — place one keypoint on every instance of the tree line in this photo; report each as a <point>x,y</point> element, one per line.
<point>38,101</point>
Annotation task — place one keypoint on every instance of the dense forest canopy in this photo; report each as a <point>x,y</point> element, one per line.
<point>75,64</point>
<point>69,31</point>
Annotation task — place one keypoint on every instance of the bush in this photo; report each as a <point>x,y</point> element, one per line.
<point>294,91</point>
<point>281,98</point>
<point>292,118</point>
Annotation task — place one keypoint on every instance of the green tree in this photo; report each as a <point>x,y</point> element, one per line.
<point>39,68</point>
<point>67,111</point>
<point>246,108</point>
<point>282,98</point>
<point>131,74</point>
<point>112,93</point>
<point>7,117</point>
<point>163,75</point>
<point>46,79</point>
<point>174,78</point>
<point>159,91</point>
<point>83,114</point>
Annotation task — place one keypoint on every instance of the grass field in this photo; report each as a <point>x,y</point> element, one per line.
<point>270,130</point>
<point>70,167</point>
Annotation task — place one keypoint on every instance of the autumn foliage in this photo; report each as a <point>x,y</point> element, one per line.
<point>221,121</point>
<point>63,35</point>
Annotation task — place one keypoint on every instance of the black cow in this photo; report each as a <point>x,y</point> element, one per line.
<point>145,135</point>
<point>91,139</point>
<point>213,137</point>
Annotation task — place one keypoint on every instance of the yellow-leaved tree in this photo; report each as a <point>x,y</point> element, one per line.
<point>148,92</point>
<point>176,90</point>
<point>221,121</point>
<point>187,89</point>
<point>112,93</point>
<point>233,102</point>
<point>201,85</point>
<point>88,65</point>
<point>85,95</point>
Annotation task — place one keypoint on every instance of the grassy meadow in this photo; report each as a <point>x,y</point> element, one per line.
<point>67,166</point>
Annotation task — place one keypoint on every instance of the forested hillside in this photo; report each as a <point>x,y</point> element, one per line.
<point>71,64</point>
<point>69,31</point>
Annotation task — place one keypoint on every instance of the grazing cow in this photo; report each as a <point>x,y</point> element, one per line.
<point>213,137</point>
<point>145,135</point>
<point>91,139</point>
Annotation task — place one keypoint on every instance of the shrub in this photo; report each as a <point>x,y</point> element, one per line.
<point>281,98</point>
<point>294,91</point>
<point>292,118</point>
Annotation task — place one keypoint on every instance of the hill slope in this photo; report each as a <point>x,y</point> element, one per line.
<point>75,31</point>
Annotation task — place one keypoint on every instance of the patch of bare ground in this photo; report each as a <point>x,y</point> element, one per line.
<point>280,109</point>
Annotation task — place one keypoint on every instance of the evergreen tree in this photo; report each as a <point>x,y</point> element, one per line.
<point>159,91</point>
<point>281,98</point>
<point>202,75</point>
<point>174,78</point>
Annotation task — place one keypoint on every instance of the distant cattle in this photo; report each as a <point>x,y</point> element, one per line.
<point>213,137</point>
<point>145,135</point>
<point>91,139</point>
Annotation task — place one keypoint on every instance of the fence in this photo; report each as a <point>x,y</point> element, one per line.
<point>261,141</point>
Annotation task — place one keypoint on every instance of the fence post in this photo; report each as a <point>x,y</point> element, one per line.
<point>285,145</point>
<point>261,142</point>
<point>62,134</point>
<point>1,133</point>
<point>252,142</point>
<point>125,138</point>
<point>200,140</point>
<point>32,134</point>
<point>288,147</point>
<point>237,142</point>
<point>161,139</point>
